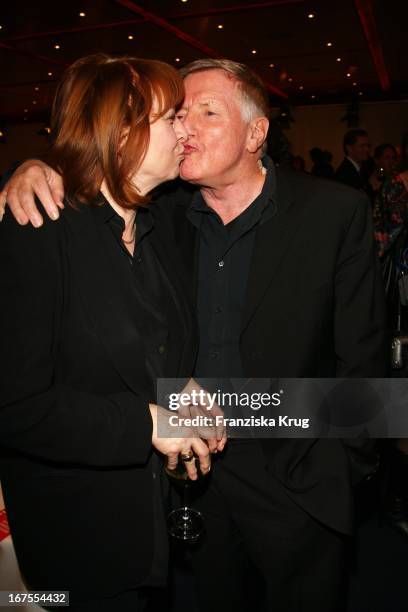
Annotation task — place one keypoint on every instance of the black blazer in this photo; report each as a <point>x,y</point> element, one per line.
<point>346,173</point>
<point>314,308</point>
<point>75,428</point>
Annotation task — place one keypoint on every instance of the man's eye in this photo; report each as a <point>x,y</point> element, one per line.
<point>210,113</point>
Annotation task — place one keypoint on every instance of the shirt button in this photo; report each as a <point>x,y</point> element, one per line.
<point>221,263</point>
<point>162,349</point>
<point>214,354</point>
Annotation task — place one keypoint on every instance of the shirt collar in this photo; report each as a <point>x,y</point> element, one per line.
<point>261,209</point>
<point>355,164</point>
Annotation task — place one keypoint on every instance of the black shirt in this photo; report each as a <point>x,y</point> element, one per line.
<point>225,253</point>
<point>153,301</point>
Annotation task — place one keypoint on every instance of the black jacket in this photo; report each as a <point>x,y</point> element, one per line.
<point>346,173</point>
<point>75,428</point>
<point>314,308</point>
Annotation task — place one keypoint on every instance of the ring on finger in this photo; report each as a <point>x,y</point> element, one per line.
<point>189,456</point>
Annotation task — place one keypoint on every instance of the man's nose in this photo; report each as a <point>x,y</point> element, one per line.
<point>180,129</point>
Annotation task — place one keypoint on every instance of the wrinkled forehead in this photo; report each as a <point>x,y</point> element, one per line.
<point>216,85</point>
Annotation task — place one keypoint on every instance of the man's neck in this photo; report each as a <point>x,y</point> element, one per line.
<point>231,199</point>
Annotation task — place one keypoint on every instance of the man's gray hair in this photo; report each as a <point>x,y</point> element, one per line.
<point>254,97</point>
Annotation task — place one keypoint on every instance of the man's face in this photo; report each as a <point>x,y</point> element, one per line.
<point>216,133</point>
<point>360,151</point>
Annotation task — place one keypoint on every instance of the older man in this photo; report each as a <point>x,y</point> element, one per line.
<point>283,272</point>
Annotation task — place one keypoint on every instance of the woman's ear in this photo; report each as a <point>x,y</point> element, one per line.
<point>257,132</point>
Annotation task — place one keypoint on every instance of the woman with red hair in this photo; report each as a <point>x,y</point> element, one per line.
<point>92,312</point>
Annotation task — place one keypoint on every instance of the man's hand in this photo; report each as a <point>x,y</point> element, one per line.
<point>33,178</point>
<point>173,447</point>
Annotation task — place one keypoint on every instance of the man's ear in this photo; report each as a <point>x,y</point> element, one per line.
<point>257,132</point>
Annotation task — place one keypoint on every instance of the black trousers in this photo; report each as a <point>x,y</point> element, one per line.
<point>260,550</point>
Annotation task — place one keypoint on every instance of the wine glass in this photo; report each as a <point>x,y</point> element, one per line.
<point>184,523</point>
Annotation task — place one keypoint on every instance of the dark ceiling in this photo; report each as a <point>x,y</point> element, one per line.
<point>293,44</point>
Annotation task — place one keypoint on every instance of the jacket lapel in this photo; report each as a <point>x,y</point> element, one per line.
<point>106,288</point>
<point>273,239</point>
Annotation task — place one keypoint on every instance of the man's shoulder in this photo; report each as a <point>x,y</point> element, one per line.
<point>319,191</point>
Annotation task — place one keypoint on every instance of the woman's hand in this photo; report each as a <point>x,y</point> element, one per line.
<point>33,178</point>
<point>172,447</point>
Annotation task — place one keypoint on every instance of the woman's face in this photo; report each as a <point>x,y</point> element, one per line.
<point>165,151</point>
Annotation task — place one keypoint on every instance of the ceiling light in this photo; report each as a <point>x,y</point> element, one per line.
<point>271,65</point>
<point>57,47</point>
<point>338,59</point>
<point>301,88</point>
<point>311,16</point>
<point>36,89</point>
<point>313,97</point>
<point>177,59</point>
<point>34,101</point>
<point>130,37</point>
<point>50,74</point>
<point>220,26</point>
<point>329,44</point>
<point>348,75</point>
<point>354,84</point>
<point>290,79</point>
<point>184,0</point>
<point>82,14</point>
<point>253,51</point>
<point>26,110</point>
<point>360,93</point>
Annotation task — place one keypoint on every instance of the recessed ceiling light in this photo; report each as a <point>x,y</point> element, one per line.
<point>290,79</point>
<point>34,101</point>
<point>253,51</point>
<point>354,84</point>
<point>177,59</point>
<point>82,14</point>
<point>348,75</point>
<point>130,37</point>
<point>360,93</point>
<point>311,16</point>
<point>271,65</point>
<point>1,27</point>
<point>301,88</point>
<point>57,47</point>
<point>313,97</point>
<point>50,74</point>
<point>338,59</point>
<point>329,44</point>
<point>184,0</point>
<point>36,89</point>
<point>220,26</point>
<point>26,110</point>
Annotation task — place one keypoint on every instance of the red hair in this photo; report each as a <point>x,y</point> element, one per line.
<point>97,99</point>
